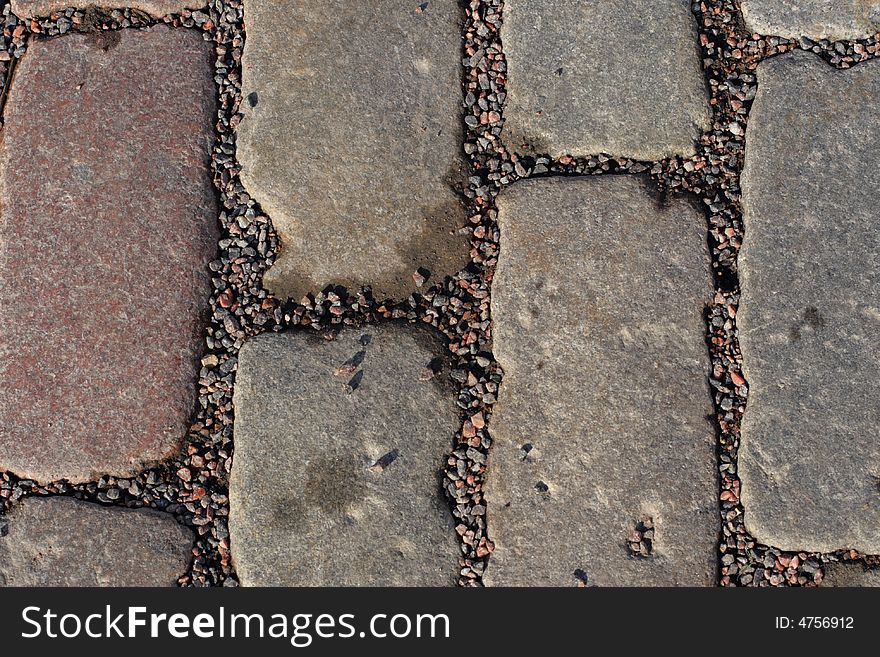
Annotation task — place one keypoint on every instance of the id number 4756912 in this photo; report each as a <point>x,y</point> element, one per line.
<point>815,623</point>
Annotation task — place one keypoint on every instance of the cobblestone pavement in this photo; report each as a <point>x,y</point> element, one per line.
<point>406,292</point>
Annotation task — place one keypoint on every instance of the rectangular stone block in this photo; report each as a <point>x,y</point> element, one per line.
<point>603,466</point>
<point>108,220</point>
<point>809,320</point>
<point>339,449</point>
<point>352,140</point>
<point>609,76</point>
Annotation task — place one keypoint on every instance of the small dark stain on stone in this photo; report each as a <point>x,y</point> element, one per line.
<point>105,41</point>
<point>252,99</point>
<point>385,461</point>
<point>334,485</point>
<point>559,71</point>
<point>287,512</point>
<point>351,364</point>
<point>581,576</point>
<point>541,487</point>
<point>366,339</point>
<point>355,381</point>
<point>813,318</point>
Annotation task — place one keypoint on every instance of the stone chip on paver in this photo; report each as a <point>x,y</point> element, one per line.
<point>351,140</point>
<point>339,449</point>
<point>602,423</point>
<point>60,541</point>
<point>614,76</point>
<point>109,220</point>
<point>818,19</point>
<point>851,574</point>
<point>158,8</point>
<point>809,321</point>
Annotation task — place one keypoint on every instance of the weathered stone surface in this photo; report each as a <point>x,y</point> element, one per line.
<point>615,76</point>
<point>843,574</point>
<point>351,140</point>
<point>60,541</point>
<point>108,220</point>
<point>818,19</point>
<point>31,8</point>
<point>602,419</point>
<point>339,448</point>
<point>809,323</point>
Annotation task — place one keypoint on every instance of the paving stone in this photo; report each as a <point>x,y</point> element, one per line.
<point>844,574</point>
<point>108,219</point>
<point>60,541</point>
<point>339,448</point>
<point>818,19</point>
<point>616,76</point>
<point>809,323</point>
<point>351,140</point>
<point>31,8</point>
<point>602,422</point>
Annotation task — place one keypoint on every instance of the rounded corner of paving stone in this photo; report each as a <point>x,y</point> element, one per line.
<point>368,201</point>
<point>811,173</point>
<point>602,425</point>
<point>61,541</point>
<point>339,450</point>
<point>580,82</point>
<point>111,229</point>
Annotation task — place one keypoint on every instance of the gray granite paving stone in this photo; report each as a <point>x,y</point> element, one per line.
<point>60,541</point>
<point>158,8</point>
<point>108,220</point>
<point>809,321</point>
<point>849,574</point>
<point>616,76</point>
<point>339,448</point>
<point>818,19</point>
<point>351,140</point>
<point>602,421</point>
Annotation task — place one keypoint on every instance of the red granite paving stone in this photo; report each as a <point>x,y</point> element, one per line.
<point>108,220</point>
